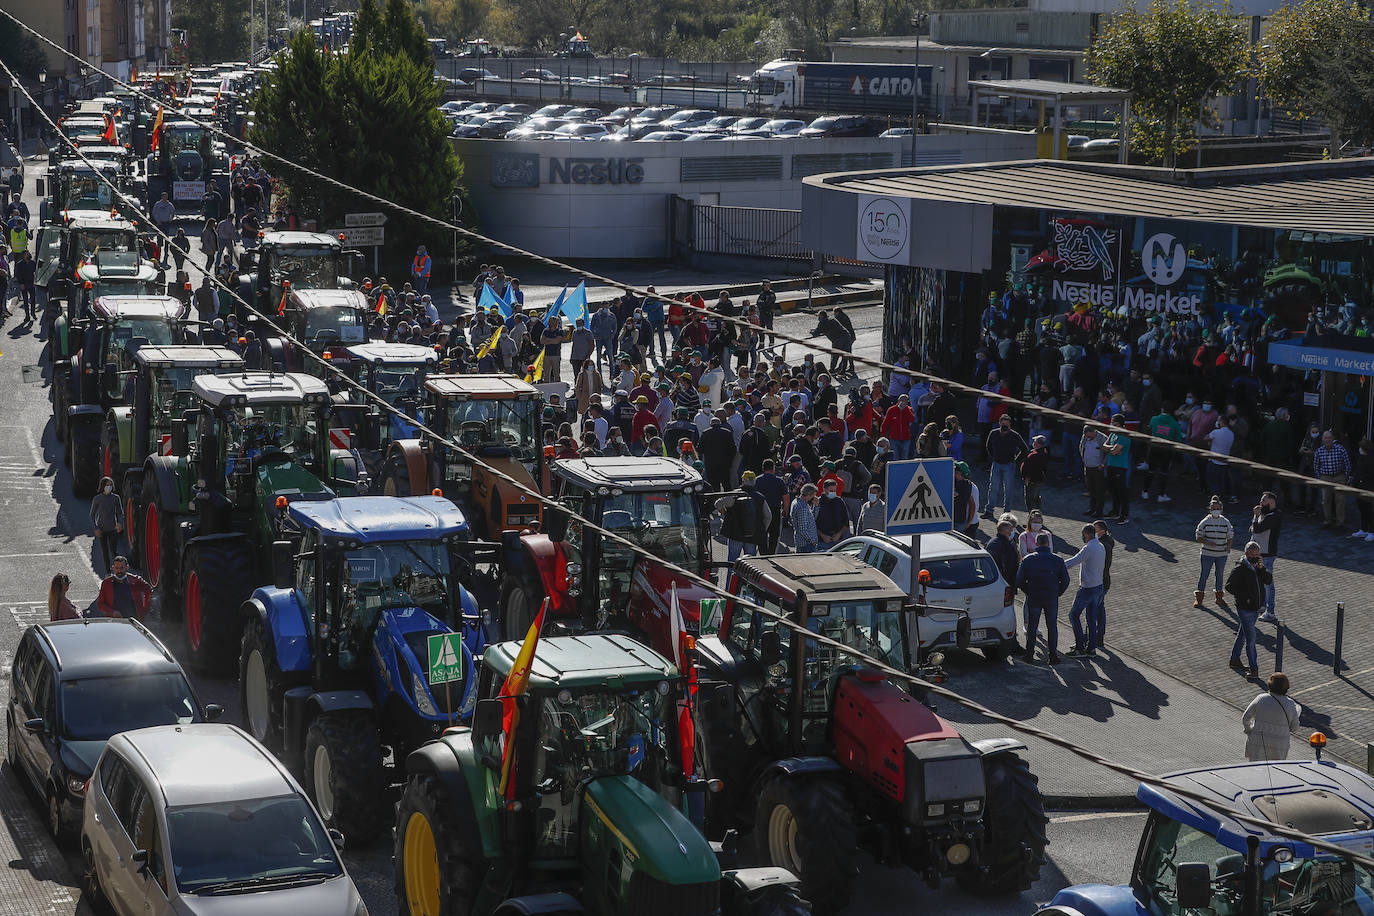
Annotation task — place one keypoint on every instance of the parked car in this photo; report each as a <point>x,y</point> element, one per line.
<point>963,577</point>
<point>661,136</point>
<point>529,126</point>
<point>1077,140</point>
<point>479,108</point>
<point>473,126</point>
<point>655,114</point>
<point>583,114</point>
<point>717,125</point>
<point>583,131</point>
<point>547,76</point>
<point>896,132</point>
<point>455,106</point>
<point>687,118</point>
<point>697,136</point>
<point>778,127</point>
<point>473,74</point>
<point>201,819</point>
<point>496,128</point>
<point>634,131</point>
<point>73,684</point>
<point>554,110</point>
<point>1101,143</point>
<point>836,126</point>
<point>514,109</point>
<point>620,116</point>
<point>747,124</point>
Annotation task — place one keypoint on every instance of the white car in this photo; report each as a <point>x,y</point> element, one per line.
<point>963,577</point>
<point>188,819</point>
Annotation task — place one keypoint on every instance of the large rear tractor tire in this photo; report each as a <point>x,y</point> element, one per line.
<point>436,873</point>
<point>343,774</point>
<point>85,452</point>
<point>262,686</point>
<point>806,825</point>
<point>778,900</point>
<point>217,578</point>
<point>132,496</point>
<point>520,601</point>
<point>395,476</point>
<point>1014,824</point>
<point>161,552</point>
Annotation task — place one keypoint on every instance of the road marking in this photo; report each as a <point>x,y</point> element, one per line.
<point>20,556</point>
<point>1352,674</point>
<point>1095,816</point>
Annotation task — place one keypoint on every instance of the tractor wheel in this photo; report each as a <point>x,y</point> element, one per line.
<point>436,874</point>
<point>343,774</point>
<point>1014,825</point>
<point>262,686</point>
<point>807,826</point>
<point>217,578</point>
<point>519,602</point>
<point>777,900</point>
<point>84,445</point>
<point>161,559</point>
<point>133,490</point>
<point>395,476</point>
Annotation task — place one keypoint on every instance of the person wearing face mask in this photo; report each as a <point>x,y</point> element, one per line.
<point>805,537</point>
<point>124,594</point>
<point>1200,426</point>
<point>1265,525</point>
<point>1216,536</point>
<point>1090,560</point>
<point>832,517</point>
<point>1310,497</point>
<point>1035,526</point>
<point>1247,583</point>
<point>873,513</point>
<point>107,517</point>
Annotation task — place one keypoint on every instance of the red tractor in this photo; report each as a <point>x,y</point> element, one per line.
<point>821,757</point>
<point>593,582</point>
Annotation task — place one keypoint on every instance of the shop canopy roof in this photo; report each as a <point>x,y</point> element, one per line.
<point>1051,91</point>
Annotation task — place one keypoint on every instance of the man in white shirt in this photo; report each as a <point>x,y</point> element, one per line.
<point>1220,440</point>
<point>1091,560</point>
<point>711,381</point>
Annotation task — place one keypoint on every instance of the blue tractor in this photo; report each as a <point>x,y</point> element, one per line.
<point>1197,860</point>
<point>337,670</point>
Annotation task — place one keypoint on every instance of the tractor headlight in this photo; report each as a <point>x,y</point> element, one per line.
<point>936,810</point>
<point>1281,854</point>
<point>421,692</point>
<point>973,806</point>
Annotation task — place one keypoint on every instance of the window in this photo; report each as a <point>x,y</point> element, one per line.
<point>852,549</point>
<point>885,561</point>
<point>305,577</point>
<point>147,836</point>
<point>125,796</point>
<point>44,704</point>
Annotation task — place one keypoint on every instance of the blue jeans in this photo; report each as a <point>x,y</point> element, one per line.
<point>1245,636</point>
<point>1001,484</point>
<point>605,350</point>
<point>1269,589</point>
<point>1089,598</point>
<point>736,549</point>
<point>901,449</point>
<point>1032,610</point>
<point>1216,565</point>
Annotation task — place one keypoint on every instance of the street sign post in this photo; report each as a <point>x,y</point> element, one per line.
<point>920,500</point>
<point>360,220</point>
<point>370,235</point>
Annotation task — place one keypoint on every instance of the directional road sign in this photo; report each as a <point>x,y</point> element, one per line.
<point>361,235</point>
<point>920,496</point>
<point>359,220</point>
<point>445,658</point>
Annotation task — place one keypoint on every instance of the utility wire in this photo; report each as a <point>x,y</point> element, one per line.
<point>957,387</point>
<point>839,647</point>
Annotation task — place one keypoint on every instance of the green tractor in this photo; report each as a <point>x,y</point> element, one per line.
<point>73,185</point>
<point>162,379</point>
<point>73,238</point>
<point>254,443</point>
<point>327,321</point>
<point>592,821</point>
<point>97,378</point>
<point>293,260</point>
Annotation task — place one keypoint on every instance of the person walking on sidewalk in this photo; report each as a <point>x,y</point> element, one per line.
<point>1265,525</point>
<point>1004,447</point>
<point>1104,537</point>
<point>1043,578</point>
<point>1094,461</point>
<point>1090,561</point>
<point>1216,536</point>
<point>1269,721</point>
<point>107,516</point>
<point>1246,582</point>
<point>1034,468</point>
<point>1118,449</point>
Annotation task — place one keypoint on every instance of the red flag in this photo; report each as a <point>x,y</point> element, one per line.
<point>109,135</point>
<point>686,727</point>
<point>514,687</point>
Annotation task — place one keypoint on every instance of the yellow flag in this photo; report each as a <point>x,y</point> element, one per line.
<point>491,342</point>
<point>538,372</point>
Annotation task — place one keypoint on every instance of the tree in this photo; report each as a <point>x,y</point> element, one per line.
<point>368,119</point>
<point>216,30</point>
<point>1172,57</point>
<point>1317,60</point>
<point>20,51</point>
<point>455,20</point>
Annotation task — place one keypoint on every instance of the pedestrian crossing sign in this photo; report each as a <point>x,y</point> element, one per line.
<point>920,496</point>
<point>445,658</point>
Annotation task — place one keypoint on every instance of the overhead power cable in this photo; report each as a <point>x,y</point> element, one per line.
<point>798,629</point>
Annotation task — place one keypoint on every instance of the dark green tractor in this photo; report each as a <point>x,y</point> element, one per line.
<point>593,820</point>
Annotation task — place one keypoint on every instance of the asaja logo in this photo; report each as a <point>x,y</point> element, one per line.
<point>883,229</point>
<point>1164,259</point>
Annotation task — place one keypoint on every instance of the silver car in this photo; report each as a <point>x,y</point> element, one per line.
<point>197,819</point>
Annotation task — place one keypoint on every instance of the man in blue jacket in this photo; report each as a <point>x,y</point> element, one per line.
<point>1043,577</point>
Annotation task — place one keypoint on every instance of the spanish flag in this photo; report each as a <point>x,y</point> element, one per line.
<point>513,688</point>
<point>491,342</point>
<point>109,135</point>
<point>156,139</point>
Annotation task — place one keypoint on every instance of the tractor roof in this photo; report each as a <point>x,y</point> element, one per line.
<point>591,660</point>
<point>188,357</point>
<point>328,298</point>
<point>252,388</point>
<point>98,221</point>
<point>1321,799</point>
<point>397,353</point>
<point>103,149</point>
<point>299,239</point>
<point>645,474</point>
<point>117,266</point>
<point>81,165</point>
<point>480,387</point>
<point>113,308</point>
<point>369,519</point>
<point>821,576</point>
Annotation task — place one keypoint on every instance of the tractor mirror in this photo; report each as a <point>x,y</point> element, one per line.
<point>770,648</point>
<point>1194,886</point>
<point>181,437</point>
<point>213,711</point>
<point>109,379</point>
<point>556,523</point>
<point>488,719</point>
<point>283,564</point>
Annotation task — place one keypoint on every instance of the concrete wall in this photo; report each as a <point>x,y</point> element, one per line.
<point>529,193</point>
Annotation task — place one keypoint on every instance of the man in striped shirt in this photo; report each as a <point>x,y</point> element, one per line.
<point>1215,535</point>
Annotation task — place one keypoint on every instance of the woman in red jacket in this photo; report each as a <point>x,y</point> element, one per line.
<point>898,424</point>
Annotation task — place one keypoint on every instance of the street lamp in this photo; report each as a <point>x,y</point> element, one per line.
<point>916,23</point>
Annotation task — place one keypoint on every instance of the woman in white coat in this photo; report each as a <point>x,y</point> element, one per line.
<point>1269,721</point>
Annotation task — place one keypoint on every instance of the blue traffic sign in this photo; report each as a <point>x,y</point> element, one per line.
<point>920,496</point>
